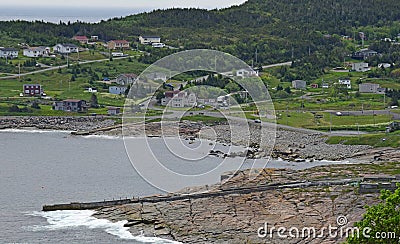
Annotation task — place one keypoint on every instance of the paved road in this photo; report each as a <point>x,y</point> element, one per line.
<point>277,65</point>
<point>14,76</point>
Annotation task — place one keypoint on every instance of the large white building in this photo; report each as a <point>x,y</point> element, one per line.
<point>149,39</point>
<point>66,48</point>
<point>34,52</point>
<point>8,52</point>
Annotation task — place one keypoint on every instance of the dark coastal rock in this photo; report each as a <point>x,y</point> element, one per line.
<point>56,123</point>
<point>236,217</point>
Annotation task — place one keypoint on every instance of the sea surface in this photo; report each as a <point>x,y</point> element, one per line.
<point>55,15</point>
<point>47,167</point>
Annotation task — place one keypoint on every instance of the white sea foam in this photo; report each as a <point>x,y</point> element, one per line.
<point>33,131</point>
<point>61,220</point>
<point>103,137</point>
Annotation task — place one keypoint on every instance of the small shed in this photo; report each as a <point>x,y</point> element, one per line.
<point>299,84</point>
<point>113,110</point>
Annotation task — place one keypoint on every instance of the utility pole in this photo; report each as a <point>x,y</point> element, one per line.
<point>19,70</point>
<point>256,56</point>
<point>373,115</point>
<point>215,63</point>
<point>287,114</point>
<point>384,100</point>
<point>292,52</point>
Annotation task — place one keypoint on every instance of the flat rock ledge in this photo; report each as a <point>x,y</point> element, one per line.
<point>236,218</point>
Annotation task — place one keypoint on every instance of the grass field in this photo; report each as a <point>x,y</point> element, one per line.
<point>320,103</point>
<point>326,121</point>
<point>59,85</point>
<point>375,140</point>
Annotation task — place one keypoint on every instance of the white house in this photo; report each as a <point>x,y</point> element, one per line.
<point>117,90</point>
<point>34,52</point>
<point>149,39</point>
<point>360,67</point>
<point>92,90</point>
<point>179,99</point>
<point>325,85</point>
<point>66,48</point>
<point>8,52</point>
<point>158,45</point>
<point>345,82</point>
<point>246,73</point>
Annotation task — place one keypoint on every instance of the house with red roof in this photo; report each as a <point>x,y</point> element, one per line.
<point>81,39</point>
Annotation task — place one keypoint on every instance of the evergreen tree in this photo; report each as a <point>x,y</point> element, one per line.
<point>93,101</point>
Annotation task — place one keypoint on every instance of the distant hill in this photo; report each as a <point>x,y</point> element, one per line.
<point>278,30</point>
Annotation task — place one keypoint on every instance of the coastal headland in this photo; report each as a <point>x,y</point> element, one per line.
<point>237,207</point>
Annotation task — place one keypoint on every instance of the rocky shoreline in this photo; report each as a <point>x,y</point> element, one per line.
<point>55,123</point>
<point>288,145</point>
<point>236,218</point>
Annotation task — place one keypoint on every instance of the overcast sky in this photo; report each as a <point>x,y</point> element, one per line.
<point>142,4</point>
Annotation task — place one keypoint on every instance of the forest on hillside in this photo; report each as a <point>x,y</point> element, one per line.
<point>258,31</point>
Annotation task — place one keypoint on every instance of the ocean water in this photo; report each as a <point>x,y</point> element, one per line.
<point>55,15</point>
<point>47,167</point>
